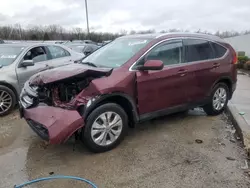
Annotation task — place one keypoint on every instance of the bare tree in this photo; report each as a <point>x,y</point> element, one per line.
<point>57,32</point>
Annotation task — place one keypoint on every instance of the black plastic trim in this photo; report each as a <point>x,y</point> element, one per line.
<point>106,96</point>
<point>38,129</point>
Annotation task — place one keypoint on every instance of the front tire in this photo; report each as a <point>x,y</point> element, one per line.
<point>105,128</point>
<point>7,100</point>
<point>218,100</point>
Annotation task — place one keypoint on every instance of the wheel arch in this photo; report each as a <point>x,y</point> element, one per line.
<point>226,80</point>
<point>10,87</point>
<point>122,99</point>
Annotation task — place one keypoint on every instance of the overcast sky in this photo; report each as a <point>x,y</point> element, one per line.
<point>117,15</point>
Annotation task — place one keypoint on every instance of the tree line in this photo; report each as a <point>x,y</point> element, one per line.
<point>57,32</point>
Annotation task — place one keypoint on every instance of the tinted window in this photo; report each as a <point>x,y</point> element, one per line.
<point>197,50</point>
<point>218,50</point>
<point>168,53</point>
<point>58,52</point>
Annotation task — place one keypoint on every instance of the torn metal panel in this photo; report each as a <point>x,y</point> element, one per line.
<point>57,102</point>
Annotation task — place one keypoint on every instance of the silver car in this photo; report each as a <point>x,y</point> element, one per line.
<point>18,62</point>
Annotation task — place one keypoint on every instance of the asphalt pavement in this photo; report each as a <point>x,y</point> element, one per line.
<point>182,150</point>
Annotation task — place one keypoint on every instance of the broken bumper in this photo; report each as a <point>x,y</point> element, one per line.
<point>53,124</point>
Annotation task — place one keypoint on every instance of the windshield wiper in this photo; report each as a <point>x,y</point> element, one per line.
<point>89,63</point>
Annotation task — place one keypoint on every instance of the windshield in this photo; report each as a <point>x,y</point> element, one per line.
<point>117,52</point>
<point>8,54</point>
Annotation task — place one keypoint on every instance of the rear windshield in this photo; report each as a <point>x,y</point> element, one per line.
<point>8,54</point>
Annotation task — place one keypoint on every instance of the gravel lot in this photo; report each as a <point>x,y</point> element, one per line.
<point>161,153</point>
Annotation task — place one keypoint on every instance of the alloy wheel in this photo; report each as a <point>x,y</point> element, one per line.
<point>219,98</point>
<point>5,101</point>
<point>107,128</point>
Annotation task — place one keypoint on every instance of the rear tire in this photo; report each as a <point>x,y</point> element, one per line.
<point>7,100</point>
<point>218,100</point>
<point>105,128</point>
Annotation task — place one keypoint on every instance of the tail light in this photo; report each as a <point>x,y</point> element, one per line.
<point>235,58</point>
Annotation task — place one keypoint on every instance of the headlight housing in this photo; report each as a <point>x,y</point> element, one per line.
<point>28,95</point>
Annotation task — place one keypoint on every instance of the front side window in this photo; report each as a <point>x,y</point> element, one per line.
<point>116,53</point>
<point>37,54</point>
<point>8,54</point>
<point>58,52</point>
<point>197,50</point>
<point>169,53</point>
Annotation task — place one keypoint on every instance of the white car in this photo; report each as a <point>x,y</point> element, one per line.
<point>18,62</point>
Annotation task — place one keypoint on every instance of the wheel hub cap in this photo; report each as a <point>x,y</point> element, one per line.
<point>5,101</point>
<point>219,99</point>
<point>106,129</point>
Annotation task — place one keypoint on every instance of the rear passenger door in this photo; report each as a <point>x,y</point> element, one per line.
<point>58,56</point>
<point>200,58</point>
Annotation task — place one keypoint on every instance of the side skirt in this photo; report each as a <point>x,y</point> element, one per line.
<point>171,110</point>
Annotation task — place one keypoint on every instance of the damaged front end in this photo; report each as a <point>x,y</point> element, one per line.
<point>48,101</point>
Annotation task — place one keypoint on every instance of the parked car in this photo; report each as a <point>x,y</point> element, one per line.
<point>54,41</point>
<point>1,41</point>
<point>86,49</point>
<point>130,80</point>
<point>20,61</point>
<point>80,42</point>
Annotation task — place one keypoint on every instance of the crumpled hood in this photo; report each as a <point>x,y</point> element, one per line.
<point>72,71</point>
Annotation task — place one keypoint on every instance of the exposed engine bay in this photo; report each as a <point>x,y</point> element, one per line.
<point>62,93</point>
<point>59,86</point>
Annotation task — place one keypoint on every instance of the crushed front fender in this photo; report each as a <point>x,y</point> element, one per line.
<point>59,124</point>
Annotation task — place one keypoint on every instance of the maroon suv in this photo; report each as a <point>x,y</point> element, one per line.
<point>132,79</point>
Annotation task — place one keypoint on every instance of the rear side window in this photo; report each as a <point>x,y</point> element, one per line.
<point>219,51</point>
<point>58,52</point>
<point>197,50</point>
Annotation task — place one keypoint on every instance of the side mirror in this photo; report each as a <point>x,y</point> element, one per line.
<point>27,63</point>
<point>151,65</point>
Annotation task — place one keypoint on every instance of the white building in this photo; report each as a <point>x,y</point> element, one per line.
<point>240,43</point>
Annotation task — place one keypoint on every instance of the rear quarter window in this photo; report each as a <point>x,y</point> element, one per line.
<point>219,51</point>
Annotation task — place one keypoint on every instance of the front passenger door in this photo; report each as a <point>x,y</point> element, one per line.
<point>39,57</point>
<point>164,89</point>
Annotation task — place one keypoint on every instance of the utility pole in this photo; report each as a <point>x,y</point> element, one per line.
<point>87,17</point>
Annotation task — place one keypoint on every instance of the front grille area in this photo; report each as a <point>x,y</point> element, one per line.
<point>39,129</point>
